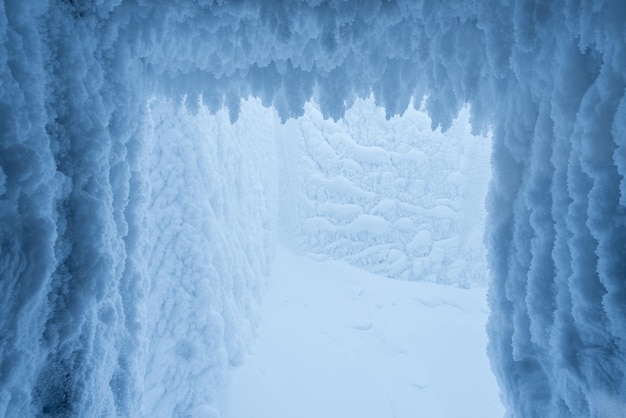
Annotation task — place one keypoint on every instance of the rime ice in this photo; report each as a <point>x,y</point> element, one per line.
<point>135,236</point>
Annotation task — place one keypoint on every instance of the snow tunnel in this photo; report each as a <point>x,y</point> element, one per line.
<point>147,145</point>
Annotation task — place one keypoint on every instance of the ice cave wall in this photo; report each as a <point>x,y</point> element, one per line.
<point>77,187</point>
<point>387,195</point>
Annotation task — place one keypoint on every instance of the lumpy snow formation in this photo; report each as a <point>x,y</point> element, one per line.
<point>392,196</point>
<point>136,228</point>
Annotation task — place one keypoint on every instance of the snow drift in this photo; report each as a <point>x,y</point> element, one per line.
<point>133,242</point>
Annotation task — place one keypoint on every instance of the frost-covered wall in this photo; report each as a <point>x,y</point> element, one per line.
<point>557,210</point>
<point>390,196</point>
<point>135,235</point>
<point>82,232</point>
<point>209,237</point>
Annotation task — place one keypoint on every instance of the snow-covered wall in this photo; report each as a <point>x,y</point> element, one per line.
<point>135,234</point>
<point>390,196</point>
<point>557,209</point>
<point>85,151</point>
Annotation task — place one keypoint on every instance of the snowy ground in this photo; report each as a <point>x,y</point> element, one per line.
<point>336,341</point>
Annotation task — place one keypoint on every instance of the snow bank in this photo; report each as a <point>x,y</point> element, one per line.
<point>76,184</point>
